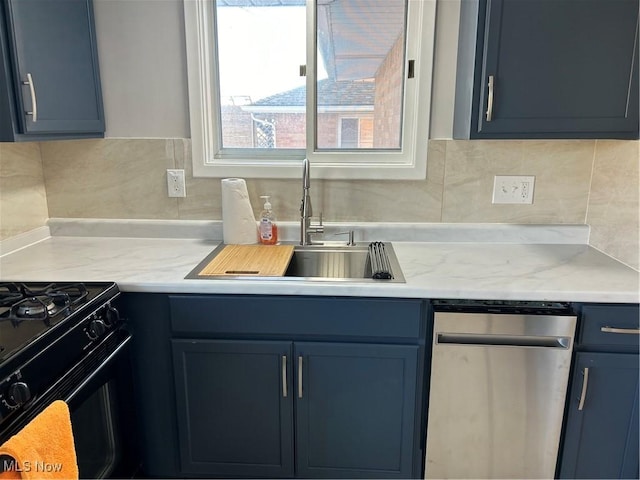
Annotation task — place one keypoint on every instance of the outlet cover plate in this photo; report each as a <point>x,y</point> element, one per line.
<point>512,189</point>
<point>175,183</point>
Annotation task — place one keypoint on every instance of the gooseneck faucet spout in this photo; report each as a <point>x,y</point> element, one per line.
<point>306,210</point>
<point>306,179</point>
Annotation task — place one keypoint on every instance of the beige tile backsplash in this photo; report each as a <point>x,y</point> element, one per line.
<point>613,210</point>
<point>23,202</point>
<point>116,178</point>
<point>562,171</point>
<point>577,181</point>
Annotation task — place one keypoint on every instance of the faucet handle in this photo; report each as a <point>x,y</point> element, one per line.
<point>318,227</point>
<point>351,234</point>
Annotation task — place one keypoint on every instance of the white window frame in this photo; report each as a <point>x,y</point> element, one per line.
<point>209,160</point>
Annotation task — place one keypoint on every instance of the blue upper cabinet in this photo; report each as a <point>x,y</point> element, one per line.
<point>49,77</point>
<point>547,69</point>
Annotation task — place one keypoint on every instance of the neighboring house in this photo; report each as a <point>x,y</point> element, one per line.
<point>351,113</point>
<point>345,117</point>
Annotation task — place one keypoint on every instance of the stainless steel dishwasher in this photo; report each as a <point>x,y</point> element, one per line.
<point>499,375</point>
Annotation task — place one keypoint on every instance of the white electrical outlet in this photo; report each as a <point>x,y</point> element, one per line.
<point>175,183</point>
<point>513,189</point>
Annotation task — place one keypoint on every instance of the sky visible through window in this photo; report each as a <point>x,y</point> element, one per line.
<point>260,51</point>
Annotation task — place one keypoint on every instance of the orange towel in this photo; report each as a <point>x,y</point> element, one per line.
<point>43,449</point>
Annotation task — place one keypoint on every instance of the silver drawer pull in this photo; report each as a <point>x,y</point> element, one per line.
<point>583,395</point>
<point>628,331</point>
<point>490,99</point>
<point>34,105</point>
<point>284,376</point>
<point>300,376</point>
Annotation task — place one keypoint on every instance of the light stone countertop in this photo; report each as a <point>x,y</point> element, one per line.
<point>513,263</point>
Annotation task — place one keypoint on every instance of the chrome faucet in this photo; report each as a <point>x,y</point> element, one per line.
<point>306,210</point>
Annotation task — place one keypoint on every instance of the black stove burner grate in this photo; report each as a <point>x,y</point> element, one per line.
<point>44,302</point>
<point>10,293</point>
<point>30,310</point>
<point>34,308</point>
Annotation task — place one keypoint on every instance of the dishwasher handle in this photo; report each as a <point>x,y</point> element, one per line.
<point>491,340</point>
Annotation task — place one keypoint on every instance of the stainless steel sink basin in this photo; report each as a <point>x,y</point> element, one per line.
<point>338,263</point>
<point>328,262</point>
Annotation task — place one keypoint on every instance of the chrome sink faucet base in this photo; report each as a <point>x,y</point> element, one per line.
<point>306,210</point>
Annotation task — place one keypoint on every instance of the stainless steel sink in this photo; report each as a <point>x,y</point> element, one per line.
<point>338,263</point>
<point>328,262</point>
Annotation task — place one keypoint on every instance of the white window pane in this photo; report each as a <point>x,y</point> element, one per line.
<point>363,53</point>
<point>261,45</point>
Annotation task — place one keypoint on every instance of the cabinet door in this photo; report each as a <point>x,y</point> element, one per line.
<point>234,407</point>
<point>355,410</point>
<point>560,68</point>
<point>54,48</point>
<point>601,439</point>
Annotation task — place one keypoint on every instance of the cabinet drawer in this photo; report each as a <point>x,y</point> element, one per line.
<point>610,325</point>
<point>295,316</point>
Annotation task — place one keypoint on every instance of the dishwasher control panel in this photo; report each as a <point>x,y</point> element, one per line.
<point>504,306</point>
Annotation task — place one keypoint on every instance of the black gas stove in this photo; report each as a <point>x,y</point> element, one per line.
<point>44,329</point>
<point>67,341</point>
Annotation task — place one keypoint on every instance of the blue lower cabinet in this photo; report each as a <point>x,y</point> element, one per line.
<point>335,392</point>
<point>601,436</point>
<point>355,410</point>
<point>234,410</point>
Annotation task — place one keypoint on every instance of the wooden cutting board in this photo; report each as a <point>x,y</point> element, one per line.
<point>252,260</point>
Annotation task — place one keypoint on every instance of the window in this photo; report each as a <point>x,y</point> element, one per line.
<point>345,83</point>
<point>356,133</point>
<point>349,133</point>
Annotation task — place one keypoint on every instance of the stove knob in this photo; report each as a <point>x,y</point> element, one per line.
<point>111,316</point>
<point>96,328</point>
<point>18,394</point>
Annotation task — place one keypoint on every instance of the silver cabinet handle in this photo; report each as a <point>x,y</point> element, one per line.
<point>34,105</point>
<point>490,99</point>
<point>284,376</point>
<point>628,331</point>
<point>503,340</point>
<point>300,376</point>
<point>585,382</point>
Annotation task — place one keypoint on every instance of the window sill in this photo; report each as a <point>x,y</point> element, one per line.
<point>293,169</point>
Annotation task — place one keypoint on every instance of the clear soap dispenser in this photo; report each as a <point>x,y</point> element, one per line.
<point>268,228</point>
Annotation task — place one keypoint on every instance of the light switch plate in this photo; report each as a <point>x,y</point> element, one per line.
<point>513,189</point>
